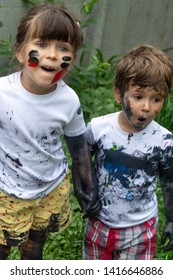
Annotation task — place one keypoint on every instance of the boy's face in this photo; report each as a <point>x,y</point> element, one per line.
<point>44,64</point>
<point>139,107</point>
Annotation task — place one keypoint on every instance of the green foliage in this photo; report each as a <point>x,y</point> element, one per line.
<point>94,84</point>
<point>86,9</point>
<point>160,254</point>
<point>165,118</point>
<point>34,2</point>
<point>93,80</point>
<point>30,2</point>
<point>5,52</point>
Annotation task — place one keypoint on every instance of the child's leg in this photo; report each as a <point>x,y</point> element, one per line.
<point>137,242</point>
<point>132,243</point>
<point>33,248</point>
<point>4,251</point>
<point>14,225</point>
<point>98,241</point>
<point>143,251</point>
<point>52,214</point>
<point>26,223</point>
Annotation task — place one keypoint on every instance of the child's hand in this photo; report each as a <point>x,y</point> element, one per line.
<point>89,203</point>
<point>167,233</point>
<point>92,208</point>
<point>92,211</point>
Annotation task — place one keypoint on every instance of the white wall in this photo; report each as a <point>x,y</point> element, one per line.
<point>126,23</point>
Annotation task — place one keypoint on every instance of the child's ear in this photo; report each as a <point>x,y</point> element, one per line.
<point>117,95</point>
<point>19,58</point>
<point>18,54</point>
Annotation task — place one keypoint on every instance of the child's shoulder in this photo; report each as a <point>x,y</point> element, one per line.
<point>67,88</point>
<point>6,77</point>
<point>160,136</point>
<point>67,91</point>
<point>7,80</point>
<point>103,124</point>
<point>160,129</point>
<point>105,118</point>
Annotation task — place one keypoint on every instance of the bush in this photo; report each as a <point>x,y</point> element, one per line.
<point>94,84</point>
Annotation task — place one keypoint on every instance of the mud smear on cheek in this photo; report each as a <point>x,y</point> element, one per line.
<point>127,108</point>
<point>33,60</point>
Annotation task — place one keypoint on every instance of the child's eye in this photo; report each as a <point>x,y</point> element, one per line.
<point>156,100</point>
<point>137,97</point>
<point>41,44</point>
<point>63,49</point>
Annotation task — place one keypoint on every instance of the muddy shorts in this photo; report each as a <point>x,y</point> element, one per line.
<point>132,243</point>
<point>51,213</point>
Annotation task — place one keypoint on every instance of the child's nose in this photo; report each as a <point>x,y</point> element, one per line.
<point>146,105</point>
<point>52,54</point>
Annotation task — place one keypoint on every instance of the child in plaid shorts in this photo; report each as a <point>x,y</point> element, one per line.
<point>131,152</point>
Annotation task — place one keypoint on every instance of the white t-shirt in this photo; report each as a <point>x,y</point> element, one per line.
<point>128,167</point>
<point>32,161</point>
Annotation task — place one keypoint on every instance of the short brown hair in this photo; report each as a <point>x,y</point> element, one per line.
<point>49,22</point>
<point>144,66</point>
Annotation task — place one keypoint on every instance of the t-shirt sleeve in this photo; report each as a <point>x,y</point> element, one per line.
<point>76,125</point>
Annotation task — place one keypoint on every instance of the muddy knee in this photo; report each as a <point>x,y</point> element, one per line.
<point>33,248</point>
<point>4,251</point>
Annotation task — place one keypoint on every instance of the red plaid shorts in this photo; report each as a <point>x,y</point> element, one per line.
<point>133,243</point>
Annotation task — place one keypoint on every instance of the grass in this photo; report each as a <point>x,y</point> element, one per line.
<point>160,254</point>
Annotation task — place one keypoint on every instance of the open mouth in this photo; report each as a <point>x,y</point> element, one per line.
<point>142,119</point>
<point>47,68</point>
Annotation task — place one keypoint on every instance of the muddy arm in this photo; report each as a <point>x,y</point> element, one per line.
<point>167,235</point>
<point>84,180</point>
